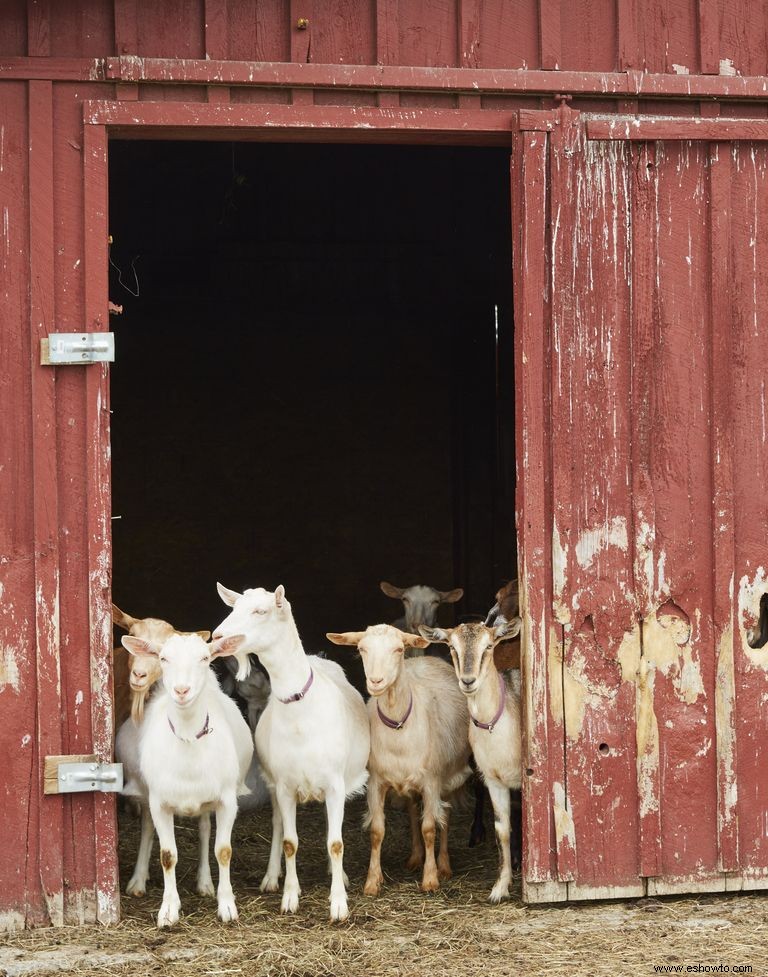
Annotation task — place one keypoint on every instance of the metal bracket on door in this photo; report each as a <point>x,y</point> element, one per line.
<point>77,348</point>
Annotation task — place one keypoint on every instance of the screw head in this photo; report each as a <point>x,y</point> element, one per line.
<point>302,23</point>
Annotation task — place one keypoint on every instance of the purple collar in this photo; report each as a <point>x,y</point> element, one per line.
<point>203,732</point>
<point>299,695</point>
<point>392,723</point>
<point>503,696</point>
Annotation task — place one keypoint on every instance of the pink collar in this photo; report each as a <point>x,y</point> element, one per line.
<point>503,695</point>
<point>393,723</point>
<point>203,732</point>
<point>299,695</point>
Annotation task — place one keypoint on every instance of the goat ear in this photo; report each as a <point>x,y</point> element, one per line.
<point>345,638</point>
<point>138,646</point>
<point>279,595</point>
<point>121,619</point>
<point>443,635</point>
<point>413,640</point>
<point>391,590</point>
<point>451,596</point>
<point>226,646</point>
<point>507,629</point>
<point>228,596</point>
<point>205,635</point>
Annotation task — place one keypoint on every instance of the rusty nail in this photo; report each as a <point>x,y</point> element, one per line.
<point>302,23</point>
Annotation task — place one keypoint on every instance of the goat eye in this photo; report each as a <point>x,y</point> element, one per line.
<point>163,661</point>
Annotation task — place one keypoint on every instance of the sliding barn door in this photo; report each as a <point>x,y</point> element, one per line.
<point>641,280</point>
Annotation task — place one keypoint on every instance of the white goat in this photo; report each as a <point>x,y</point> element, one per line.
<point>494,733</point>
<point>421,604</point>
<point>254,690</point>
<point>419,745</point>
<point>312,739</point>
<point>193,750</point>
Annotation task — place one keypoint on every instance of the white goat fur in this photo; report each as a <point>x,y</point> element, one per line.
<point>497,752</point>
<point>178,772</point>
<point>427,757</point>
<point>421,605</point>
<point>315,748</point>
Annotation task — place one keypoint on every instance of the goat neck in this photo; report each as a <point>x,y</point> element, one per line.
<point>483,703</point>
<point>287,664</point>
<point>397,697</point>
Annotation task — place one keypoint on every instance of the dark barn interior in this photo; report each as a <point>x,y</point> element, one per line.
<point>314,383</point>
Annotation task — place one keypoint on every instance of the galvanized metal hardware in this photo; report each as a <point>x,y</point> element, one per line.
<point>76,777</point>
<point>77,348</point>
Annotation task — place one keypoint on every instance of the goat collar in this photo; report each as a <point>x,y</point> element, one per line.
<point>203,732</point>
<point>299,695</point>
<point>499,712</point>
<point>393,723</point>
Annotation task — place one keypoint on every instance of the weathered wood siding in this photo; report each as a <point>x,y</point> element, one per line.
<point>652,293</point>
<point>640,392</point>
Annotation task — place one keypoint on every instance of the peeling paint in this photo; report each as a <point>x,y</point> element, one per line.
<point>9,669</point>
<point>592,541</point>
<point>667,646</point>
<point>750,592</point>
<point>647,741</point>
<point>564,827</point>
<point>559,568</point>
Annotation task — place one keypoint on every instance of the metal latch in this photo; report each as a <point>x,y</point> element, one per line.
<point>74,777</point>
<point>68,348</point>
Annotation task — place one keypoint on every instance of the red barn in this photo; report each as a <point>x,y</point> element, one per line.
<point>625,337</point>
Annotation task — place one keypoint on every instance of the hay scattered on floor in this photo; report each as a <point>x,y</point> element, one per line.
<point>403,932</point>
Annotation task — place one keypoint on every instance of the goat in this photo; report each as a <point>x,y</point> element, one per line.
<point>419,744</point>
<point>312,738</point>
<point>421,604</point>
<point>194,750</point>
<point>135,675</point>
<point>253,691</point>
<point>494,733</point>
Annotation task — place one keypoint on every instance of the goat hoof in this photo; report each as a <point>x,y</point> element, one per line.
<point>168,915</point>
<point>415,862</point>
<point>339,910</point>
<point>290,902</point>
<point>499,892</point>
<point>205,887</point>
<point>444,872</point>
<point>372,887</point>
<point>432,884</point>
<point>136,888</point>
<point>477,838</point>
<point>270,883</point>
<point>227,910</point>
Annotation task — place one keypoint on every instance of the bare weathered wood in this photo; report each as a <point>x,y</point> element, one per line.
<point>51,769</point>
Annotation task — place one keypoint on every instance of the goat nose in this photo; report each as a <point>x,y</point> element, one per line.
<point>138,675</point>
<point>467,680</point>
<point>375,681</point>
<point>181,690</point>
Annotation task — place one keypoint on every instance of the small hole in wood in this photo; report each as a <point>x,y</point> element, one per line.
<point>529,772</point>
<point>604,748</point>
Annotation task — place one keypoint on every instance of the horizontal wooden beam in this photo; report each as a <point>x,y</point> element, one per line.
<point>649,129</point>
<point>253,121</point>
<point>479,81</point>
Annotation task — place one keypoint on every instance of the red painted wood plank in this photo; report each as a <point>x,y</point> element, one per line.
<point>644,333</point>
<point>126,27</point>
<point>301,30</point>
<point>747,298</point>
<point>723,504</point>
<point>590,424</point>
<point>42,321</point>
<point>509,34</point>
<point>415,77</point>
<point>708,29</point>
<point>626,25</point>
<point>645,129</point>
<point>21,901</point>
<point>39,28</point>
<point>53,69</point>
<point>588,30</point>
<point>387,32</point>
<point>542,706</point>
<point>99,510</point>
<point>469,13</point>
<point>148,115</point>
<point>216,42</point>
<point>549,34</point>
<point>678,634</point>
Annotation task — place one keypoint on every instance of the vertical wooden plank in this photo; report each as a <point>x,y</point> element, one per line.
<point>99,514</point>
<point>644,332</point>
<point>387,32</point>
<point>549,34</point>
<point>723,503</point>
<point>709,26</point>
<point>747,302</point>
<point>39,28</point>
<point>590,413</point>
<point>216,31</point>
<point>469,12</point>
<point>126,41</point>
<point>301,37</point>
<point>627,41</point>
<point>542,701</point>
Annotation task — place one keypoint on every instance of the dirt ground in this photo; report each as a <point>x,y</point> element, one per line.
<point>404,933</point>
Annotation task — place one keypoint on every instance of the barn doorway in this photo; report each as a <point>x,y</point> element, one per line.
<point>314,377</point>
